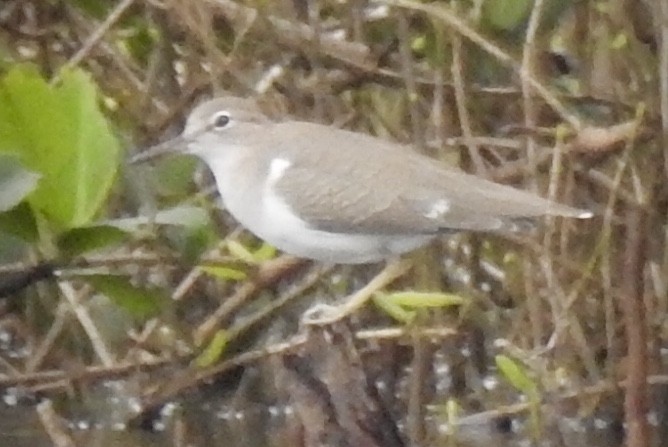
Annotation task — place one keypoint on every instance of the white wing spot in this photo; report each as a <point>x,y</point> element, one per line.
<point>438,209</point>
<point>277,168</point>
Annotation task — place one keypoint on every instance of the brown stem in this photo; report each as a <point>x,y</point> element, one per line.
<point>631,301</point>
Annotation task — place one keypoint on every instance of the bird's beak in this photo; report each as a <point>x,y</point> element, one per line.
<point>176,145</point>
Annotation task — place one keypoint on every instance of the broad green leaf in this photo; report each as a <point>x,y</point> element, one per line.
<point>60,133</point>
<point>16,182</point>
<point>85,239</point>
<point>140,303</point>
<point>214,350</point>
<point>20,222</point>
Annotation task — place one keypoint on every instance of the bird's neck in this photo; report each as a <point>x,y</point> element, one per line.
<point>235,172</point>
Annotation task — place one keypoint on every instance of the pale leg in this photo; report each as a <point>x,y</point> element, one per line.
<point>325,314</point>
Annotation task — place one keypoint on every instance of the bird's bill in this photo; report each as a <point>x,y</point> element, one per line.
<point>176,145</point>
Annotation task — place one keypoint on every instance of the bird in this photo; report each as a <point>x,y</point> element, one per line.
<point>337,196</point>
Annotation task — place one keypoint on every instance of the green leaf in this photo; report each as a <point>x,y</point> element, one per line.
<point>12,249</point>
<point>85,239</point>
<point>511,16</point>
<point>452,412</point>
<point>515,374</point>
<point>196,241</point>
<point>392,309</point>
<point>416,300</point>
<point>226,273</point>
<point>140,303</point>
<point>173,176</point>
<point>97,8</point>
<point>243,253</point>
<point>506,15</point>
<point>20,222</point>
<point>60,133</point>
<point>16,182</point>
<point>214,350</point>
<point>183,215</point>
<point>140,39</point>
<point>239,251</point>
<point>620,41</point>
<point>266,252</point>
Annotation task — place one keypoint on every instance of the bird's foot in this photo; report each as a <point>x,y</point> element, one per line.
<point>322,314</point>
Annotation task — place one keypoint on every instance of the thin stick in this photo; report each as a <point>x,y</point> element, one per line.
<point>444,14</point>
<point>97,35</point>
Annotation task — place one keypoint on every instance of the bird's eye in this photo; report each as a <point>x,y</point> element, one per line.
<point>221,120</point>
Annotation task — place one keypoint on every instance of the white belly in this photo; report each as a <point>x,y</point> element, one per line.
<point>283,229</point>
<point>339,248</point>
<point>270,219</point>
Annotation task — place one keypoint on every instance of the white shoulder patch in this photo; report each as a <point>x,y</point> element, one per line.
<point>438,209</point>
<point>277,168</point>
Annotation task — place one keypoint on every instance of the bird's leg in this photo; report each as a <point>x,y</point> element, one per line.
<point>321,314</point>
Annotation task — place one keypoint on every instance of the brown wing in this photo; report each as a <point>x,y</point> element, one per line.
<point>362,184</point>
<point>342,202</point>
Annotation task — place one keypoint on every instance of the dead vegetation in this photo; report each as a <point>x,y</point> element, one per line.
<point>568,99</point>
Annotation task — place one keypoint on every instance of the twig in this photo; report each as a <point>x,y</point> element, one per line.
<point>662,6</point>
<point>53,425</point>
<point>192,378</point>
<point>416,384</point>
<point>444,14</point>
<point>97,35</point>
<point>321,314</point>
<point>434,335</point>
<point>527,94</point>
<point>87,323</point>
<point>88,374</point>
<point>408,75</point>
<point>61,316</point>
<point>311,280</point>
<point>461,101</point>
<point>633,310</point>
<point>269,273</point>
<point>297,34</point>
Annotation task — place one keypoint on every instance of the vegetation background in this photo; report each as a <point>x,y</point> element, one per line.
<point>135,311</point>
